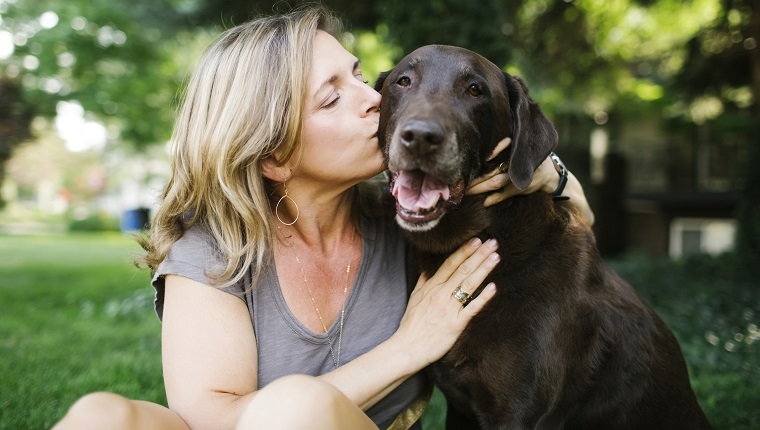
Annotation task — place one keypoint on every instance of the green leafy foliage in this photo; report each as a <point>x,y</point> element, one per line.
<point>97,222</point>
<point>108,56</point>
<point>483,27</point>
<point>15,118</point>
<point>121,60</point>
<point>712,304</point>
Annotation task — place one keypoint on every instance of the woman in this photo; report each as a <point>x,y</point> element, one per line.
<point>267,269</point>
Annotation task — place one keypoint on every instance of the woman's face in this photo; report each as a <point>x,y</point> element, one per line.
<point>340,117</point>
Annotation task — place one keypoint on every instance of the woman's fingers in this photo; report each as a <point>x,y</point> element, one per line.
<point>453,261</point>
<point>502,145</point>
<point>497,178</point>
<point>421,280</point>
<point>466,261</point>
<point>489,182</point>
<point>463,272</point>
<point>509,190</point>
<point>471,274</point>
<point>499,187</point>
<point>435,317</point>
<point>475,305</point>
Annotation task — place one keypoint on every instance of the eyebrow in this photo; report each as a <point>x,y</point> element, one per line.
<point>334,78</point>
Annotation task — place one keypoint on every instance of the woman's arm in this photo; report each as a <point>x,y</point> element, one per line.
<point>546,179</point>
<point>433,321</point>
<point>206,331</point>
<point>574,190</point>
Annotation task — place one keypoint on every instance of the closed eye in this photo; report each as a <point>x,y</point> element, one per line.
<point>331,103</point>
<point>358,71</point>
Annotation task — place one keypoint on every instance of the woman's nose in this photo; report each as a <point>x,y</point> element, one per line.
<point>373,100</point>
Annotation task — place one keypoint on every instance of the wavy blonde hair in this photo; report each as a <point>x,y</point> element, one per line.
<point>243,103</point>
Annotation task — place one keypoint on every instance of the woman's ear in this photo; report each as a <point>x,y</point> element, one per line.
<point>274,171</point>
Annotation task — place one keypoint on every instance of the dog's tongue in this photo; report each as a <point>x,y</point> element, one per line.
<point>416,191</point>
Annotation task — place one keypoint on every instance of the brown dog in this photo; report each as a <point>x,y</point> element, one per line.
<point>565,343</point>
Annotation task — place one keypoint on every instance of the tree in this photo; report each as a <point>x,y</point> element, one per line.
<point>357,15</point>
<point>578,56</point>
<point>724,63</point>
<point>484,28</point>
<point>122,61</point>
<point>108,56</point>
<point>749,212</point>
<point>15,117</point>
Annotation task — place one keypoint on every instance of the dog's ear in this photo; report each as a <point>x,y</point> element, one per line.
<point>533,135</point>
<point>380,80</point>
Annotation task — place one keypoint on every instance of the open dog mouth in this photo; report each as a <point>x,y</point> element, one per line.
<point>422,198</point>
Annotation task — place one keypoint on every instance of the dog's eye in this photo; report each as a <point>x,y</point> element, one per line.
<point>474,90</point>
<point>404,81</point>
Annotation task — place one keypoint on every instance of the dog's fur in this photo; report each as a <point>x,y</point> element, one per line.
<point>565,343</point>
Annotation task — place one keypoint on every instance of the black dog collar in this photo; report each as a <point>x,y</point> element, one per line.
<point>563,173</point>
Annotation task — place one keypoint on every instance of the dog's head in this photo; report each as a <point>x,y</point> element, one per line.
<point>443,111</point>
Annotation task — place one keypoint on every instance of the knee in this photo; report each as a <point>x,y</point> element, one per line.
<point>292,402</point>
<point>299,392</point>
<point>99,411</point>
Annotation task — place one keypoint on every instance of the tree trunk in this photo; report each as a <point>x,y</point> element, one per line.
<point>748,237</point>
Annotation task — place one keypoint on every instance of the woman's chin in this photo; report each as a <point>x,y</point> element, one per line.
<point>378,165</point>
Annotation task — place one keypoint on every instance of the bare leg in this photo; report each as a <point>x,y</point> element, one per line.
<point>111,411</point>
<point>302,402</point>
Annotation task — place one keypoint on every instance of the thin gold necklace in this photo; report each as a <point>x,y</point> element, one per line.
<point>336,358</point>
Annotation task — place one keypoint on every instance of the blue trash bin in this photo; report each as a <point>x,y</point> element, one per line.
<point>135,219</point>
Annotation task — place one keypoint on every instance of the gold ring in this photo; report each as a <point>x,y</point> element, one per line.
<point>461,295</point>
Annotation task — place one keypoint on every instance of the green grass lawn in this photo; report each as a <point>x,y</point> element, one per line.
<point>76,316</point>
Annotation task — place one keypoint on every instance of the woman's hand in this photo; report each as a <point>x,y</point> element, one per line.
<point>499,186</point>
<point>546,179</point>
<point>434,318</point>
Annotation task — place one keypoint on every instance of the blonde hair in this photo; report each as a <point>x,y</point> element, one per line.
<point>243,103</point>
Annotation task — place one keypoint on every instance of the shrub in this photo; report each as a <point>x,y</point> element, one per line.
<point>713,307</point>
<point>94,223</point>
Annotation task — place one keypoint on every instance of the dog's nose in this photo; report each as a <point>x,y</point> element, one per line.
<point>421,136</point>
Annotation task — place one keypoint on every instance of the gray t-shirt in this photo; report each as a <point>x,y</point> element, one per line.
<point>374,308</point>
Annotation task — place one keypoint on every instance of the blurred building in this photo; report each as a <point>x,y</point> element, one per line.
<point>664,192</point>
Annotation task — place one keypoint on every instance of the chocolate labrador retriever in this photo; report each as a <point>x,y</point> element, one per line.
<point>565,343</point>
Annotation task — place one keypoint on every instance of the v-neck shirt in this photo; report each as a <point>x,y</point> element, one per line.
<point>373,309</point>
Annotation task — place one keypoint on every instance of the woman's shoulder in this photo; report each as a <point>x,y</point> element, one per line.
<point>194,255</point>
<point>195,244</point>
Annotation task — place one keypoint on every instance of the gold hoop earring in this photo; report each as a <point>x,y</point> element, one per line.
<point>277,208</point>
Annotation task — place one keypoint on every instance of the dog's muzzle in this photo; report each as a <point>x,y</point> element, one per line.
<point>421,199</point>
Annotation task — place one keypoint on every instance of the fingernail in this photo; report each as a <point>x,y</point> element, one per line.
<point>494,256</point>
<point>493,243</point>
<point>475,242</point>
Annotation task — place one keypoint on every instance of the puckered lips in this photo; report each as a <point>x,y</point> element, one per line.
<point>422,198</point>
